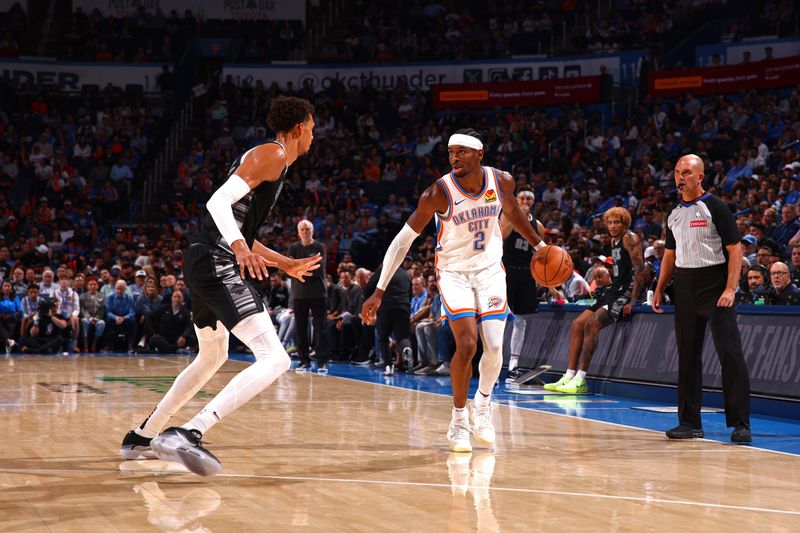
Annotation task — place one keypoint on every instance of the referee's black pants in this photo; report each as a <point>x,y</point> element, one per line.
<point>696,293</point>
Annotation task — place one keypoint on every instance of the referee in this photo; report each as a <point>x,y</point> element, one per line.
<point>703,248</point>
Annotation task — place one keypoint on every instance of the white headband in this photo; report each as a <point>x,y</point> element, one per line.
<point>459,139</point>
<point>526,194</point>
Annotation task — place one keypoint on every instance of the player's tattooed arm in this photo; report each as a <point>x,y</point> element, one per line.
<point>633,245</point>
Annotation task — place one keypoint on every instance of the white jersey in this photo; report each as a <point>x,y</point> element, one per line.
<point>468,235</point>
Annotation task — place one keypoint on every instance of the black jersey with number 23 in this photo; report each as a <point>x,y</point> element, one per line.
<point>249,212</point>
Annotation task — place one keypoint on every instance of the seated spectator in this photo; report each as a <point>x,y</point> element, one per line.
<point>749,248</point>
<point>344,326</point>
<point>600,280</point>
<point>172,329</point>
<point>48,286</point>
<point>783,291</point>
<point>46,335</point>
<point>421,301</point>
<point>278,299</point>
<point>788,227</point>
<point>10,315</point>
<point>575,288</point>
<point>93,314</point>
<point>69,307</point>
<point>145,306</point>
<point>108,279</point>
<point>795,264</point>
<point>18,282</point>
<point>756,287</point>
<point>30,309</point>
<point>426,328</point>
<point>137,289</point>
<point>120,318</point>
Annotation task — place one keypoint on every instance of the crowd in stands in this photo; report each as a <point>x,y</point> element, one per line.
<point>149,35</point>
<point>378,31</point>
<point>70,163</point>
<point>431,30</point>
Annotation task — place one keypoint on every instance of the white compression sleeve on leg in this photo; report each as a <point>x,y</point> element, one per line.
<point>518,335</point>
<point>258,334</point>
<point>213,353</point>
<point>492,359</point>
<point>219,206</point>
<point>395,254</point>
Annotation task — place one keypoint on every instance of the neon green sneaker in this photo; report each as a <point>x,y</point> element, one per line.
<point>554,386</point>
<point>575,386</point>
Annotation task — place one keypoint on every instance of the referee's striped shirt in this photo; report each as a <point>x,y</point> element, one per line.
<point>699,231</point>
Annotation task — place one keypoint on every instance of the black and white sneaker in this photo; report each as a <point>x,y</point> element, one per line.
<point>135,447</point>
<point>515,374</point>
<point>183,446</point>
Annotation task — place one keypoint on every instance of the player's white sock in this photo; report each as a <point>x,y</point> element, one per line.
<point>492,359</point>
<point>569,373</point>
<point>460,413</point>
<point>212,354</point>
<point>482,398</point>
<point>259,335</point>
<point>581,375</point>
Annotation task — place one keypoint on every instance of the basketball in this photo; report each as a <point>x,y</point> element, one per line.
<point>551,266</point>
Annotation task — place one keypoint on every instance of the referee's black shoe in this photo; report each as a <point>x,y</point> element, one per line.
<point>741,435</point>
<point>685,431</point>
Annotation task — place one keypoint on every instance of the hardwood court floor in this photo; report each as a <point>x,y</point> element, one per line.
<point>321,453</point>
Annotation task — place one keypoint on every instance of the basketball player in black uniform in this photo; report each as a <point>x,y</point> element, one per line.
<point>219,265</point>
<point>517,254</point>
<point>615,303</point>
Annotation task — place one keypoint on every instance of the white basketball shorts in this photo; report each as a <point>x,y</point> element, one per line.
<point>480,294</point>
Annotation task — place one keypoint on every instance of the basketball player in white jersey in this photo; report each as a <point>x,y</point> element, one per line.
<point>222,259</point>
<point>466,204</point>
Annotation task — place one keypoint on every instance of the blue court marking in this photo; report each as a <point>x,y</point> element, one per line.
<point>775,434</point>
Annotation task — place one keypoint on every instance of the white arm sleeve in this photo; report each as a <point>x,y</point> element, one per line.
<point>395,254</point>
<point>219,206</point>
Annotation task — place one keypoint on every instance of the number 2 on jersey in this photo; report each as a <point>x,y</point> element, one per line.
<point>478,245</point>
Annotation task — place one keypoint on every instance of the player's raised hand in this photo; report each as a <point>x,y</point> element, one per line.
<point>302,268</point>
<point>369,311</point>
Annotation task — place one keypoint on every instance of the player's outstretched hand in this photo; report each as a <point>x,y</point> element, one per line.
<point>252,263</point>
<point>369,311</point>
<point>301,268</point>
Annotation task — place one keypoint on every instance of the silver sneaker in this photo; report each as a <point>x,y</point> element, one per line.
<point>183,446</point>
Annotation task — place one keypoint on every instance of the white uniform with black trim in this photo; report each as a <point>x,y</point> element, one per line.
<point>469,251</point>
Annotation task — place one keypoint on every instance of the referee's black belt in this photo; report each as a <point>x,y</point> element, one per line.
<point>700,270</point>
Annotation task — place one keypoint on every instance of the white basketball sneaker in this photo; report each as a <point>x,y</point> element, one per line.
<point>458,435</point>
<point>482,426</point>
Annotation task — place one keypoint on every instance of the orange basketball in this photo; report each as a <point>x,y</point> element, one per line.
<point>551,266</point>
